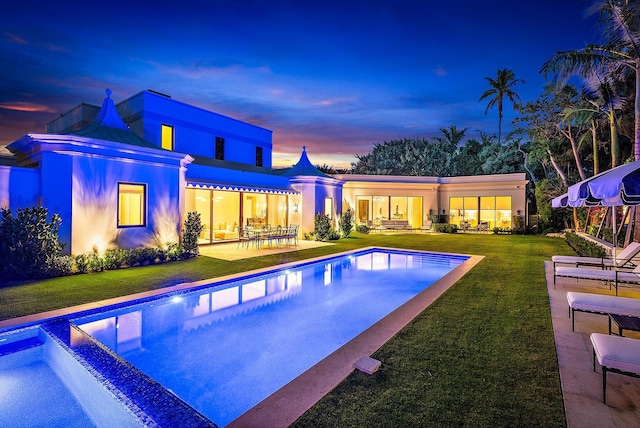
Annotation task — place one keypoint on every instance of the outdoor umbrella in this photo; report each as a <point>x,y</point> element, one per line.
<point>619,186</point>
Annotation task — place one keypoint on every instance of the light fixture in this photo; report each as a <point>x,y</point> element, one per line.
<point>295,207</point>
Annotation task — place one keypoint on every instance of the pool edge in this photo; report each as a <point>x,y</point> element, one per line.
<point>288,403</point>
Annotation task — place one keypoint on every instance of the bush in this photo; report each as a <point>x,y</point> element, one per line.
<point>114,259</point>
<point>29,243</point>
<point>82,263</point>
<point>362,228</point>
<point>333,235</point>
<point>322,224</point>
<point>192,229</point>
<point>346,223</point>
<point>96,262</point>
<point>584,247</point>
<point>444,228</point>
<point>174,252</point>
<point>60,266</point>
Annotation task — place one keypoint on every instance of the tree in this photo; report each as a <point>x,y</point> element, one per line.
<point>501,87</point>
<point>618,56</point>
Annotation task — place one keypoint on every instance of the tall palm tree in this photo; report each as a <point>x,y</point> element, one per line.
<point>501,87</point>
<point>618,56</point>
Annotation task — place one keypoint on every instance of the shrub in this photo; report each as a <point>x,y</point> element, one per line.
<point>346,223</point>
<point>322,223</point>
<point>174,252</point>
<point>114,259</point>
<point>96,262</point>
<point>82,263</point>
<point>60,266</point>
<point>584,247</point>
<point>362,228</point>
<point>444,228</point>
<point>29,243</point>
<point>333,235</point>
<point>192,229</point>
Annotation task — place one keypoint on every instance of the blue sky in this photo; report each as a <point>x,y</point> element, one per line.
<point>336,76</point>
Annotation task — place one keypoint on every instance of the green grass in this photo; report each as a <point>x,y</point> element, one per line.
<point>482,355</point>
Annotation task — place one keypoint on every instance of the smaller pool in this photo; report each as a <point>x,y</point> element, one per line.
<point>42,385</point>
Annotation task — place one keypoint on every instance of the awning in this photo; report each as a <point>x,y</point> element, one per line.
<point>200,184</point>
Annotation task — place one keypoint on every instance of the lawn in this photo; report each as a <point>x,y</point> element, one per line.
<point>482,355</point>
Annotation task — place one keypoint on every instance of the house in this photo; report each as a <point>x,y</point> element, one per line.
<point>125,175</point>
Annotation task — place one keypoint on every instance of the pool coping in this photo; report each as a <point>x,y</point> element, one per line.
<point>288,403</point>
<point>284,406</point>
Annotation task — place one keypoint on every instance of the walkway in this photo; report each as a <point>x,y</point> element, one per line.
<point>581,387</point>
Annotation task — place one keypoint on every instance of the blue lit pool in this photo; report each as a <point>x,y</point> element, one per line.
<point>221,348</point>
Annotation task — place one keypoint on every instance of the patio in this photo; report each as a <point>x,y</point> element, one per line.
<point>581,386</point>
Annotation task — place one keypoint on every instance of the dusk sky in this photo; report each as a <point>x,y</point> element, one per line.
<point>336,76</point>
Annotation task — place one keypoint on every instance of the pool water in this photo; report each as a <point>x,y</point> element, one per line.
<point>225,348</point>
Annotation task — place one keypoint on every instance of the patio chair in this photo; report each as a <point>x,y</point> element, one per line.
<point>615,354</point>
<point>602,305</point>
<point>625,258</point>
<point>612,276</point>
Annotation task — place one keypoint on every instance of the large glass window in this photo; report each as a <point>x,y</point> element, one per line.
<point>414,211</point>
<point>484,212</point>
<point>254,210</point>
<point>167,138</point>
<point>226,212</point>
<point>277,212</point>
<point>380,209</point>
<point>132,201</point>
<point>398,208</point>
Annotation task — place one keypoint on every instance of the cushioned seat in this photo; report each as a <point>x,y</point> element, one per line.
<point>614,276</point>
<point>615,354</point>
<point>623,259</point>
<point>601,304</point>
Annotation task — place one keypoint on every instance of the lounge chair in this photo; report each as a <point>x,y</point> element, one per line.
<point>601,304</point>
<point>625,258</point>
<point>615,354</point>
<point>612,276</point>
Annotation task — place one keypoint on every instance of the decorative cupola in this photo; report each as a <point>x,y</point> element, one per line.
<point>109,126</point>
<point>304,167</point>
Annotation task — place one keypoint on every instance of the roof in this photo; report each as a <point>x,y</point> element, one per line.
<point>109,126</point>
<point>303,167</point>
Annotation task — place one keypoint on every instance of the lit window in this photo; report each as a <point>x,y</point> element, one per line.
<point>132,200</point>
<point>167,137</point>
<point>328,207</point>
<point>219,148</point>
<point>258,156</point>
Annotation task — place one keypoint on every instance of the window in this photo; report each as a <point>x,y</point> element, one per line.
<point>219,148</point>
<point>132,201</point>
<point>258,156</point>
<point>328,207</point>
<point>166,135</point>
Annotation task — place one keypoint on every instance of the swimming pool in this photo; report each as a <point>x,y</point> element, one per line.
<point>224,347</point>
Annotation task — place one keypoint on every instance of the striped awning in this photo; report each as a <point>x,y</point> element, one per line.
<point>191,184</point>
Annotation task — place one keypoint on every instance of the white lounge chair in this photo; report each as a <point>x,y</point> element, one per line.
<point>612,276</point>
<point>625,258</point>
<point>615,354</point>
<point>601,304</point>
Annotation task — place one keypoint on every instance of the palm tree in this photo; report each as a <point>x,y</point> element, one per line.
<point>619,56</point>
<point>500,88</point>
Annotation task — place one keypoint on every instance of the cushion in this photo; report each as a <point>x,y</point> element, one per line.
<point>605,304</point>
<point>616,352</point>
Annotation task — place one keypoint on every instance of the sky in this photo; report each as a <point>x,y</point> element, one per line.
<point>334,76</point>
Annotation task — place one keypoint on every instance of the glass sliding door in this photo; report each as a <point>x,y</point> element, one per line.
<point>414,211</point>
<point>363,209</point>
<point>380,209</point>
<point>503,211</point>
<point>488,212</point>
<point>277,210</point>
<point>254,210</point>
<point>199,200</point>
<point>226,212</point>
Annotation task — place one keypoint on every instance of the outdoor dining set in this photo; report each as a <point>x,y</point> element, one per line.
<point>270,236</point>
